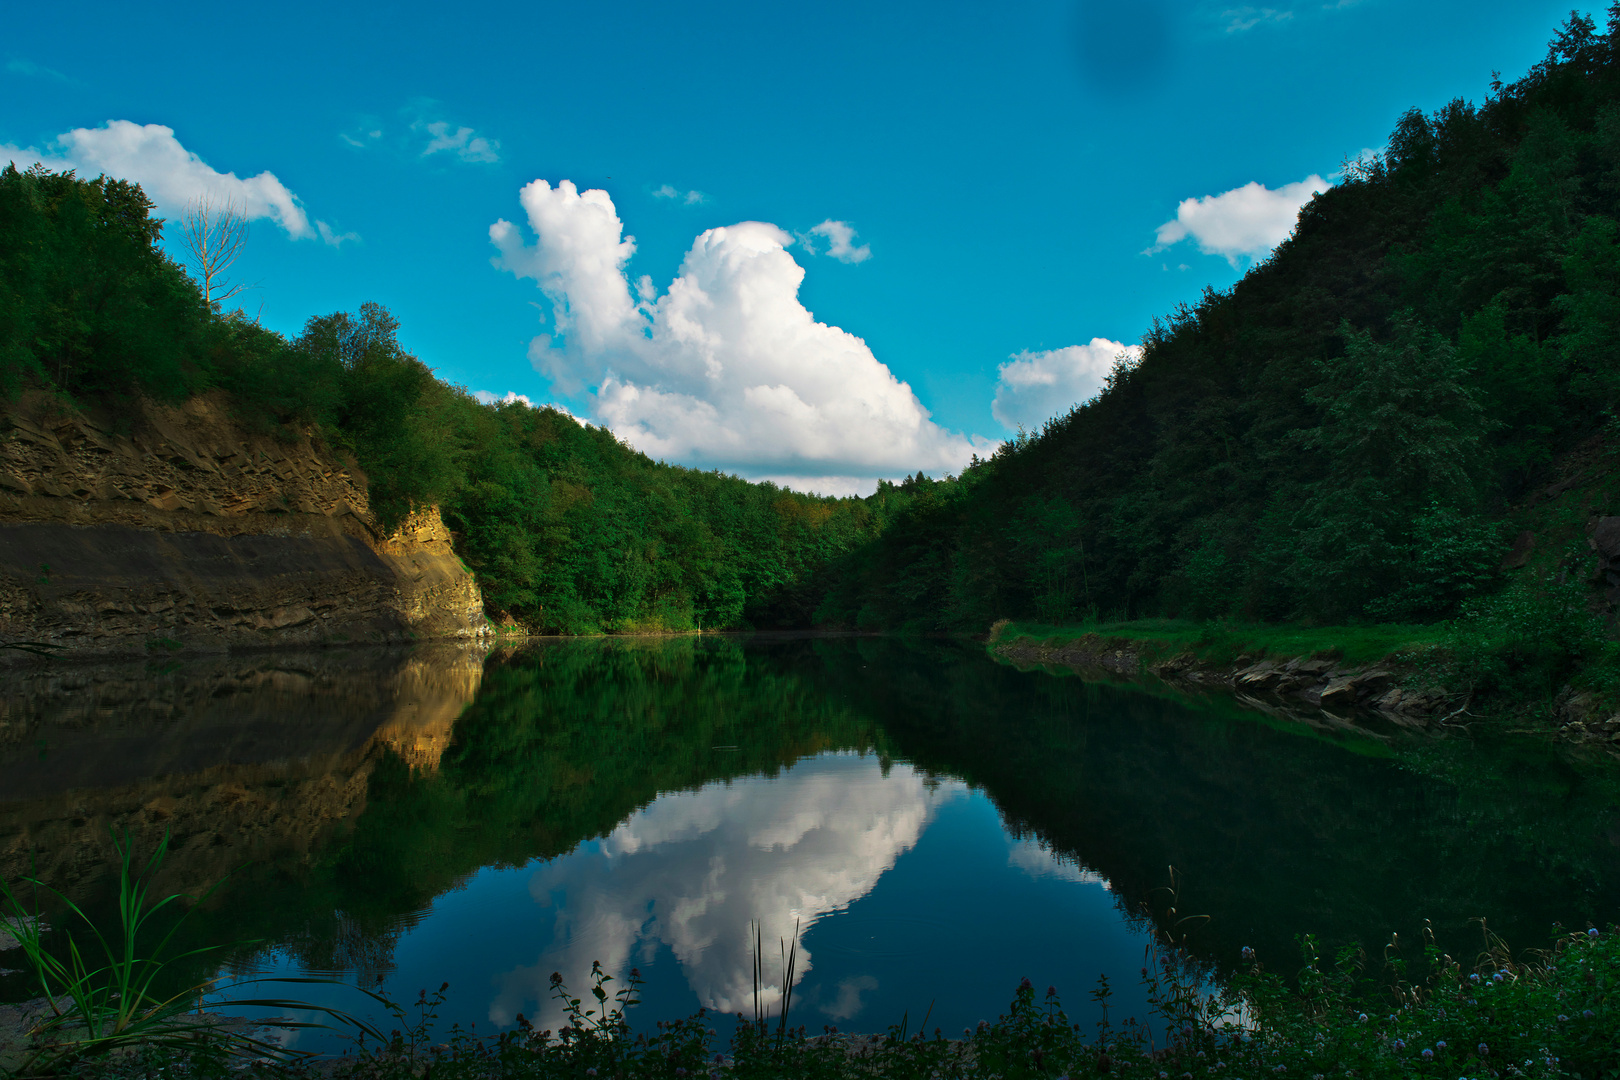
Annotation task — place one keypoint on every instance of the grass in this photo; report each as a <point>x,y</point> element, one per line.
<point>1223,642</point>
<point>100,986</point>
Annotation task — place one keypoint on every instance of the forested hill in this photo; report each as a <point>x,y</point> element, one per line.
<point>567,529</point>
<point>1349,432</point>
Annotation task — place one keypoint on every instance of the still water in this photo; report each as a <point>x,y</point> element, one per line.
<point>923,824</point>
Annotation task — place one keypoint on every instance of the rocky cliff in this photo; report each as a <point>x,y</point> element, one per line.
<point>173,528</point>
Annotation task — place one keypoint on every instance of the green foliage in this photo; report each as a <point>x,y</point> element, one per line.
<point>1339,437</point>
<point>87,300</point>
<point>1529,640</point>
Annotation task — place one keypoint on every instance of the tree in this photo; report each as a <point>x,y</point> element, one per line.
<point>213,235</point>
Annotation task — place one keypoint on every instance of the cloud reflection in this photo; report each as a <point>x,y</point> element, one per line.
<point>695,870</point>
<point>1034,858</point>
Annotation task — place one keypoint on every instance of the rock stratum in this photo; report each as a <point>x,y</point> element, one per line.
<point>172,528</point>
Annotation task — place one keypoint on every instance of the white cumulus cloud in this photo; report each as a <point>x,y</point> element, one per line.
<point>1250,220</point>
<point>724,369</point>
<point>840,239</point>
<point>1033,387</point>
<point>171,175</point>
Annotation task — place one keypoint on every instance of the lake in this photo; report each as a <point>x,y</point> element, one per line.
<point>922,825</point>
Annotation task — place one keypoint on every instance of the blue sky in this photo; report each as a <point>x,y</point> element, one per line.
<point>990,182</point>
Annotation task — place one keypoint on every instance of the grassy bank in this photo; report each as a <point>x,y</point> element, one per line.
<point>1224,642</point>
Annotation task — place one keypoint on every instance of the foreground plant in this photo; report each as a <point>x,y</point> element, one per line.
<point>101,989</point>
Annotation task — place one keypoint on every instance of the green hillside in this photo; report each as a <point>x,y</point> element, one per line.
<point>1358,431</point>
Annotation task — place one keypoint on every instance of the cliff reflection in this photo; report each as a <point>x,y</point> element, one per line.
<point>259,759</point>
<point>696,870</point>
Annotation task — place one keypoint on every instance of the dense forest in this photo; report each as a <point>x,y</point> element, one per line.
<point>1345,435</point>
<point>1349,434</point>
<point>567,529</point>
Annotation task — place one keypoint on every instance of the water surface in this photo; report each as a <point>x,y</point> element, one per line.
<point>925,825</point>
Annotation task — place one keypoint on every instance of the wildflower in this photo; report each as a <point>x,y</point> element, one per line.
<point>1362,1018</point>
<point>1441,1045</point>
<point>1562,1019</point>
<point>1592,933</point>
<point>984,1025</point>
<point>1484,1051</point>
<point>1474,978</point>
<point>1025,984</point>
<point>719,1058</point>
<point>1051,991</point>
<point>1399,1044</point>
<point>1497,978</point>
<point>680,1072</point>
<point>590,1072</point>
<point>1427,1055</point>
<point>1587,1014</point>
<point>1248,954</point>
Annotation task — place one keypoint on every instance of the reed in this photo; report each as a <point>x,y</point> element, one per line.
<point>101,988</point>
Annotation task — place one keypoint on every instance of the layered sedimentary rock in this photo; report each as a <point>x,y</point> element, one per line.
<point>173,528</point>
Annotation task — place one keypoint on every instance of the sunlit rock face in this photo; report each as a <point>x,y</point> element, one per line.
<point>697,870</point>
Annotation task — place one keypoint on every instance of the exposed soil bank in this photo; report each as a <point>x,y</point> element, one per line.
<point>171,528</point>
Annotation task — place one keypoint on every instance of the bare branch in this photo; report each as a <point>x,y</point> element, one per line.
<point>213,235</point>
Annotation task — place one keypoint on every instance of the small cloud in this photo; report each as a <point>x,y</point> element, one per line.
<point>172,176</point>
<point>1247,18</point>
<point>467,144</point>
<point>690,198</point>
<point>461,141</point>
<point>335,239</point>
<point>361,137</point>
<point>487,398</point>
<point>31,70</point>
<point>1033,387</point>
<point>1246,221</point>
<point>840,237</point>
<point>512,397</point>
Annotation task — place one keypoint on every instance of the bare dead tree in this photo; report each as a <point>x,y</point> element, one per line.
<point>213,235</point>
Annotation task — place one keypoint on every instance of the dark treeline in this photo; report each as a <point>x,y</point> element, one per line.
<point>567,529</point>
<point>1342,436</point>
